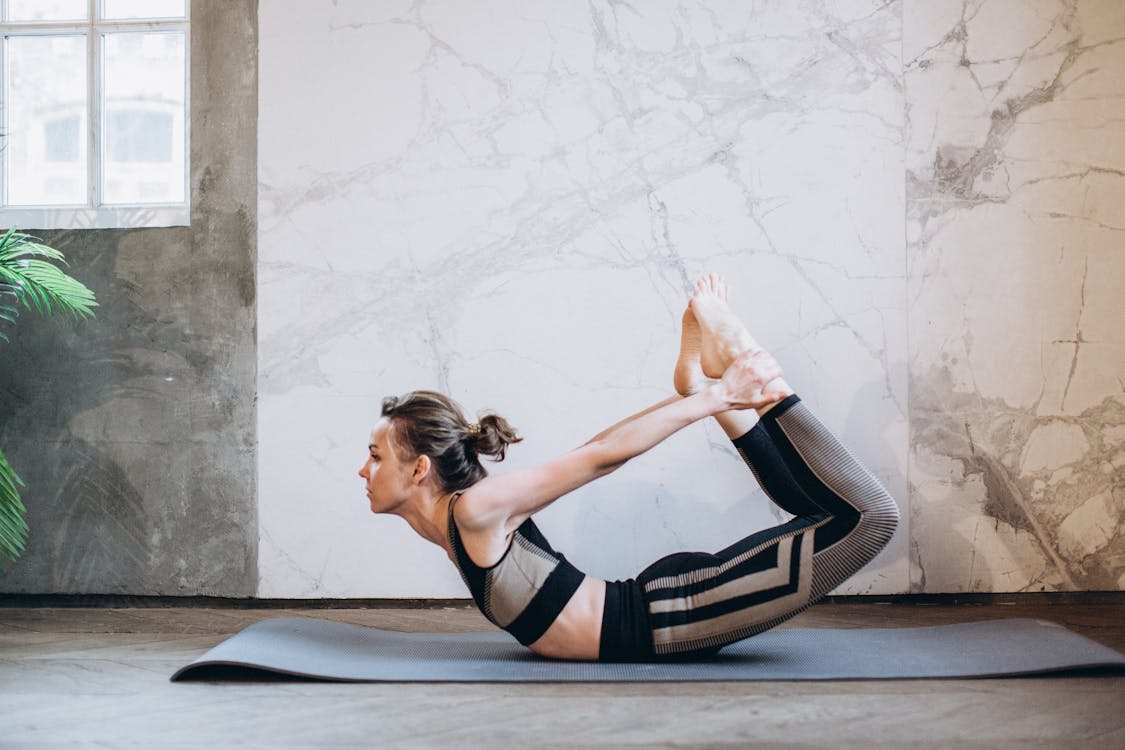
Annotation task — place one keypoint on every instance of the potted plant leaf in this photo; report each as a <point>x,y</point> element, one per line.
<point>30,276</point>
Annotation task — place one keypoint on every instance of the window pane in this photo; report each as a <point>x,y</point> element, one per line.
<point>116,9</point>
<point>46,140</point>
<point>47,10</point>
<point>144,118</point>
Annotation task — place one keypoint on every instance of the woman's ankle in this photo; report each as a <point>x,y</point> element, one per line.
<point>735,424</point>
<point>777,385</point>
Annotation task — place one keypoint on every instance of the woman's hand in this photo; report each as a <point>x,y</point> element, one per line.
<point>747,375</point>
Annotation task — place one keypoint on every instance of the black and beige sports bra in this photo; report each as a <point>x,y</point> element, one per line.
<point>526,590</point>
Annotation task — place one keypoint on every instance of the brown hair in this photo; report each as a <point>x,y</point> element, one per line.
<point>427,423</point>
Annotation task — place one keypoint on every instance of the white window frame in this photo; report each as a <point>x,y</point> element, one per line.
<point>94,215</point>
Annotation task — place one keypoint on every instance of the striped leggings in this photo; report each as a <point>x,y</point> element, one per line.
<point>690,603</point>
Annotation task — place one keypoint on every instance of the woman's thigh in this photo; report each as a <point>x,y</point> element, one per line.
<point>698,602</point>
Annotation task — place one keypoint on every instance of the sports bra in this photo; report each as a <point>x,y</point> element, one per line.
<point>526,590</point>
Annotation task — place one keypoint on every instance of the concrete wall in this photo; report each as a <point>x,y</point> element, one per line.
<point>919,205</point>
<point>135,431</point>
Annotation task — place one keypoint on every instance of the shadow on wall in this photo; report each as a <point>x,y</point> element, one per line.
<point>89,528</point>
<point>624,527</point>
<point>633,525</point>
<point>101,542</point>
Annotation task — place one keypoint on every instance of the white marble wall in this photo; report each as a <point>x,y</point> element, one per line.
<point>1015,229</point>
<point>509,201</point>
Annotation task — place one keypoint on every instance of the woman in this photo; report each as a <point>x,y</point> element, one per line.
<point>424,466</point>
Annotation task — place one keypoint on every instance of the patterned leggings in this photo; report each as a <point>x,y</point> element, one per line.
<point>690,603</point>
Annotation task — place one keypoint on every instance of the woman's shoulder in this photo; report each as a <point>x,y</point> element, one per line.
<point>485,538</point>
<point>471,507</point>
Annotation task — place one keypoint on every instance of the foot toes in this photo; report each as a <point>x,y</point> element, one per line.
<point>706,284</point>
<point>712,283</point>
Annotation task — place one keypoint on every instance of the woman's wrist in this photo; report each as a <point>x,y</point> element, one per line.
<point>716,398</point>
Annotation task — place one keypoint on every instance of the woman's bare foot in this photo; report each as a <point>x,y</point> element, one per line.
<point>723,335</point>
<point>688,376</point>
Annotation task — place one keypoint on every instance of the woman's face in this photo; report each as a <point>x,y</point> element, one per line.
<point>386,476</point>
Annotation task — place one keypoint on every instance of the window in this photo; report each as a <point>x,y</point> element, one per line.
<point>93,108</point>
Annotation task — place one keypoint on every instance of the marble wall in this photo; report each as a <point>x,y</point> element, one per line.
<point>509,201</point>
<point>1015,170</point>
<point>135,431</point>
<point>916,203</point>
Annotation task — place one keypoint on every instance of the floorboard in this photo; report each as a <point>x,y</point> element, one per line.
<point>98,677</point>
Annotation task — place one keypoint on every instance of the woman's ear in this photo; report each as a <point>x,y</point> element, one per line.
<point>422,466</point>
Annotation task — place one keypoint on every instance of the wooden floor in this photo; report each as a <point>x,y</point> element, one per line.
<point>98,677</point>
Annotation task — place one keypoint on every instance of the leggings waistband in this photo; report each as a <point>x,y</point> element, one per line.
<point>626,635</point>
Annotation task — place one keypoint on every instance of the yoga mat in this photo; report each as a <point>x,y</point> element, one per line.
<point>333,651</point>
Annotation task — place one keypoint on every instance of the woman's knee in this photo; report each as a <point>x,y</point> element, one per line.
<point>882,519</point>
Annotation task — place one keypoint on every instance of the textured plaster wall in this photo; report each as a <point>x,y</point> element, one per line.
<point>135,431</point>
<point>919,205</point>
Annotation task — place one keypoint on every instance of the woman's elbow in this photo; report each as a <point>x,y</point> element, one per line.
<point>604,459</point>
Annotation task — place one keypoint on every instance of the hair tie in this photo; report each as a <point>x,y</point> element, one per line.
<point>474,428</point>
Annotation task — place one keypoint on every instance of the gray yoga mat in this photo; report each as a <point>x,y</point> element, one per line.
<point>333,651</point>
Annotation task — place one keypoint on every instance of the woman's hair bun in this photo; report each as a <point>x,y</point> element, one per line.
<point>429,423</point>
<point>493,437</point>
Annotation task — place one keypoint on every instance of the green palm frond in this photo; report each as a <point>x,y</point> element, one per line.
<point>28,270</point>
<point>29,276</point>
<point>9,296</point>
<point>13,521</point>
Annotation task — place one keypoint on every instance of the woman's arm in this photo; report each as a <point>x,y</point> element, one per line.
<point>610,430</point>
<point>512,498</point>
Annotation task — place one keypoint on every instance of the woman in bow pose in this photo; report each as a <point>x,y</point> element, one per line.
<point>424,466</point>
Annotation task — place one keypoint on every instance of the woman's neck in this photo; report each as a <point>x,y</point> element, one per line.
<point>429,516</point>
